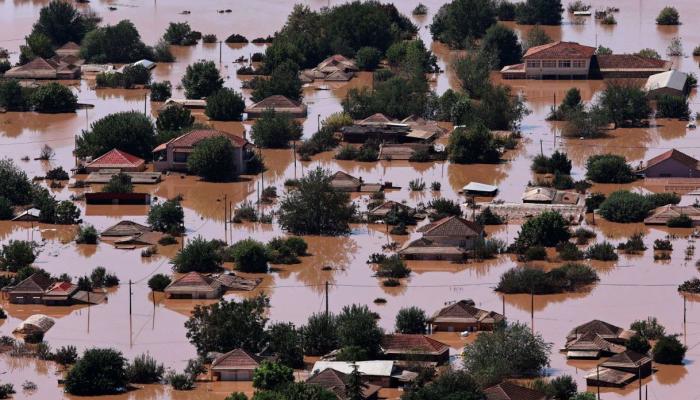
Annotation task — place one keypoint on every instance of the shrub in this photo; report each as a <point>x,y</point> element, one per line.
<point>639,344</point>
<point>487,217</point>
<point>690,286</point>
<point>624,206</point>
<point>650,328</point>
<point>601,251</point>
<point>416,185</point>
<point>272,376</point>
<point>668,16</point>
<point>411,320</point>
<point>634,244</point>
<point>442,207</point>
<point>167,217</point>
<point>609,19</point>
<point>97,372</point>
<point>199,255</point>
<point>159,282</point>
<point>236,38</point>
<point>484,249</point>
<point>568,277</point>
<point>473,145</point>
<point>167,240</point>
<point>544,12</point>
<point>119,183</point>
<point>672,107</point>
<point>178,33</point>
<point>179,381</point>
<point>662,199</point>
<point>608,168</point>
<point>347,152</point>
<point>145,369</point>
<point>557,163</point>
<point>275,130</point>
<point>569,252</point>
<point>58,174</point>
<point>53,98</point>
<point>535,253</point>
<point>66,355</point>
<point>209,38</point>
<point>87,234</point>
<point>547,229</point>
<point>129,131</point>
<point>201,80</point>
<point>250,256</point>
<point>214,160</point>
<point>225,105</point>
<point>393,267</point>
<point>35,337</point>
<point>663,244</point>
<point>594,200</point>
<point>368,58</point>
<point>669,350</point>
<point>161,91</point>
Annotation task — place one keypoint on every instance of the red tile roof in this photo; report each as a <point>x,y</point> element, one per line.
<point>511,391</point>
<point>452,226</point>
<point>195,280</point>
<point>193,137</point>
<point>560,50</point>
<point>336,382</point>
<point>236,359</point>
<point>413,343</point>
<point>116,158</point>
<point>674,154</point>
<point>36,283</point>
<point>62,289</point>
<point>631,62</point>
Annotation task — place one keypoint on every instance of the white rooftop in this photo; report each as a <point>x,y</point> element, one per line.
<point>479,187</point>
<point>372,368</point>
<point>670,79</point>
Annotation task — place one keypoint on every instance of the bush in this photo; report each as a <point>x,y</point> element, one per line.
<point>393,267</point>
<point>87,234</point>
<point>167,240</point>
<point>167,217</point>
<point>179,381</point>
<point>484,249</point>
<point>420,155</point>
<point>214,160</point>
<point>473,145</point>
<point>568,277</point>
<point>53,98</point>
<point>569,252</point>
<point>649,328</point>
<point>17,254</point>
<point>668,16</point>
<point>272,376</point>
<point>690,286</point>
<point>6,210</point>
<point>543,12</point>
<point>411,320</point>
<point>225,105</point>
<point>161,91</point>
<point>669,350</point>
<point>178,33</point>
<point>442,207</point>
<point>6,390</point>
<point>557,163</point>
<point>250,256</point>
<point>604,251</point>
<point>624,206</point>
<point>159,282</point>
<point>286,251</point>
<point>145,369</point>
<point>347,152</point>
<point>199,255</point>
<point>58,174</point>
<point>119,183</point>
<point>593,201</point>
<point>201,80</point>
<point>35,337</point>
<point>209,38</point>
<point>547,229</point>
<point>129,131</point>
<point>275,130</point>
<point>97,372</point>
<point>672,107</point>
<point>368,58</point>
<point>608,168</point>
<point>236,38</point>
<point>639,344</point>
<point>66,355</point>
<point>487,217</point>
<point>634,244</point>
<point>535,253</point>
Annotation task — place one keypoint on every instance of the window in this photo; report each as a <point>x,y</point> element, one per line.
<point>579,63</point>
<point>564,63</point>
<point>549,64</point>
<point>533,63</point>
<point>180,157</point>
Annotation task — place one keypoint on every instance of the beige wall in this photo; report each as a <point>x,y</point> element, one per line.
<point>538,68</point>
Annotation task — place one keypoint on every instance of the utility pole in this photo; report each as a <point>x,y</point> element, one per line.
<point>220,45</point>
<point>639,375</point>
<point>503,302</point>
<point>294,157</point>
<point>326,299</point>
<point>532,309</point>
<point>130,293</point>
<point>597,372</point>
<point>541,149</point>
<point>145,97</point>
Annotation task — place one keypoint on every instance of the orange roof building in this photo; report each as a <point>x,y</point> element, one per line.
<point>236,365</point>
<point>116,159</point>
<point>415,348</point>
<point>278,103</point>
<point>172,155</point>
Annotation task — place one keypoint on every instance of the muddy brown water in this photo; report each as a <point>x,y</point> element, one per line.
<point>632,288</point>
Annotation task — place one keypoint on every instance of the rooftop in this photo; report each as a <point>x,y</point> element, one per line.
<point>559,49</point>
<point>452,226</point>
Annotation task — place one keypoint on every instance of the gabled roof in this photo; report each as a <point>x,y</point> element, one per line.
<point>125,228</point>
<point>539,194</point>
<point>374,119</point>
<point>676,155</point>
<point>39,64</point>
<point>35,323</point>
<point>673,79</point>
<point>452,226</point>
<point>338,76</point>
<point>194,281</point>
<point>388,206</point>
<point>61,289</point>
<point>465,312</point>
<point>415,344</point>
<point>662,214</point>
<point>35,283</point>
<point>277,102</point>
<point>116,158</point>
<point>591,341</point>
<point>631,62</point>
<point>341,176</point>
<point>372,368</point>
<point>336,382</point>
<point>510,391</point>
<point>191,138</point>
<point>70,46</point>
<point>236,359</point>
<point>560,50</point>
<point>602,328</point>
<point>626,359</point>
<point>232,281</point>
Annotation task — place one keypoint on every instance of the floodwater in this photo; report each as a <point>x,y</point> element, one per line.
<point>632,288</point>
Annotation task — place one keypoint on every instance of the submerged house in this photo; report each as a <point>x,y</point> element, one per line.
<point>606,330</point>
<point>381,373</point>
<point>409,347</point>
<point>450,238</point>
<point>68,49</point>
<point>671,164</point>
<point>670,83</point>
<point>463,316</point>
<point>344,182</point>
<point>547,195</point>
<point>60,294</point>
<point>35,323</point>
<point>571,60</point>
<point>278,103</point>
<point>591,346</point>
<point>125,228</point>
<point>194,285</point>
<point>31,290</point>
<point>337,382</point>
<point>620,369</point>
<point>116,159</point>
<point>510,391</point>
<point>663,214</point>
<point>334,68</point>
<point>236,365</point>
<point>40,289</point>
<point>381,211</point>
<point>172,155</point>
<point>41,68</point>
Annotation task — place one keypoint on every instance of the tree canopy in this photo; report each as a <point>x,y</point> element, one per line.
<point>225,105</point>
<point>53,98</point>
<point>198,255</point>
<point>358,332</point>
<point>214,160</point>
<point>201,80</point>
<point>120,43</point>
<point>129,131</point>
<point>608,168</point>
<point>547,229</point>
<point>473,145</point>
<point>450,385</point>
<point>61,22</point>
<point>275,130</point>
<point>167,216</point>
<point>461,21</point>
<point>97,372</point>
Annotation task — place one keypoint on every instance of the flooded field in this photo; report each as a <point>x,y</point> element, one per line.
<point>632,288</point>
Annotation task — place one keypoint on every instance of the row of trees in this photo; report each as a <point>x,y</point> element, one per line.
<point>49,98</point>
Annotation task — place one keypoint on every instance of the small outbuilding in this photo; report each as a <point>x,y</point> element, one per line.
<point>450,238</point>
<point>37,323</point>
<point>278,103</point>
<point>236,365</point>
<point>194,285</point>
<point>510,391</point>
<point>671,164</point>
<point>479,189</point>
<point>463,316</point>
<point>409,347</point>
<point>671,83</point>
<point>125,228</point>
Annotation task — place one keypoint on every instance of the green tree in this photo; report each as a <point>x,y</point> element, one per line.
<point>473,145</point>
<point>543,12</point>
<point>668,16</point>
<point>16,186</point>
<point>37,45</point>
<point>461,21</point>
<point>358,329</point>
<point>236,396</point>
<point>452,384</point>
<point>511,351</point>
<point>228,325</point>
<point>119,183</point>
<point>672,107</point>
<point>639,344</point>
<point>625,104</point>
<point>174,118</point>
<point>649,328</point>
<point>214,160</point>
<point>272,376</point>
<point>201,80</point>
<point>145,369</point>
<point>97,372</point>
<point>275,130</point>
<point>17,254</point>
<point>167,217</point>
<point>250,256</point>
<point>411,320</point>
<point>66,213</point>
<point>368,58</point>
<point>355,388</point>
<point>625,206</point>
<point>161,91</point>
<point>547,229</point>
<point>159,282</point>
<point>53,98</point>
<point>129,131</point>
<point>536,36</point>
<point>11,96</point>
<point>177,33</point>
<point>315,207</point>
<point>473,72</point>
<point>6,211</point>
<point>120,43</point>
<point>284,80</point>
<point>285,341</point>
<point>225,105</point>
<point>608,168</point>
<point>503,43</point>
<point>198,255</point>
<point>320,334</point>
<point>62,22</point>
<point>669,350</point>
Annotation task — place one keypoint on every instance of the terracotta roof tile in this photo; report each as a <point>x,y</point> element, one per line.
<point>452,226</point>
<point>511,391</point>
<point>557,50</point>
<point>674,154</point>
<point>116,158</point>
<point>236,359</point>
<point>193,137</point>
<point>413,343</point>
<point>630,61</point>
<point>36,283</point>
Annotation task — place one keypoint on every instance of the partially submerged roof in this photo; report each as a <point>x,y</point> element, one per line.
<point>631,62</point>
<point>539,194</point>
<point>35,283</point>
<point>477,187</point>
<point>232,281</point>
<point>372,368</point>
<point>341,177</point>
<point>626,359</point>
<point>125,228</point>
<point>191,138</point>
<point>61,289</point>
<point>193,281</point>
<point>559,50</point>
<point>661,215</point>
<point>452,226</point>
<point>593,342</point>
<point>604,329</point>
<point>510,391</point>
<point>387,206</point>
<point>31,214</point>
<point>116,158</point>
<point>609,377</point>
<point>236,359</point>
<point>35,323</point>
<point>414,344</point>
<point>278,103</point>
<point>464,311</point>
<point>375,119</point>
<point>676,155</point>
<point>336,382</point>
<point>672,79</point>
